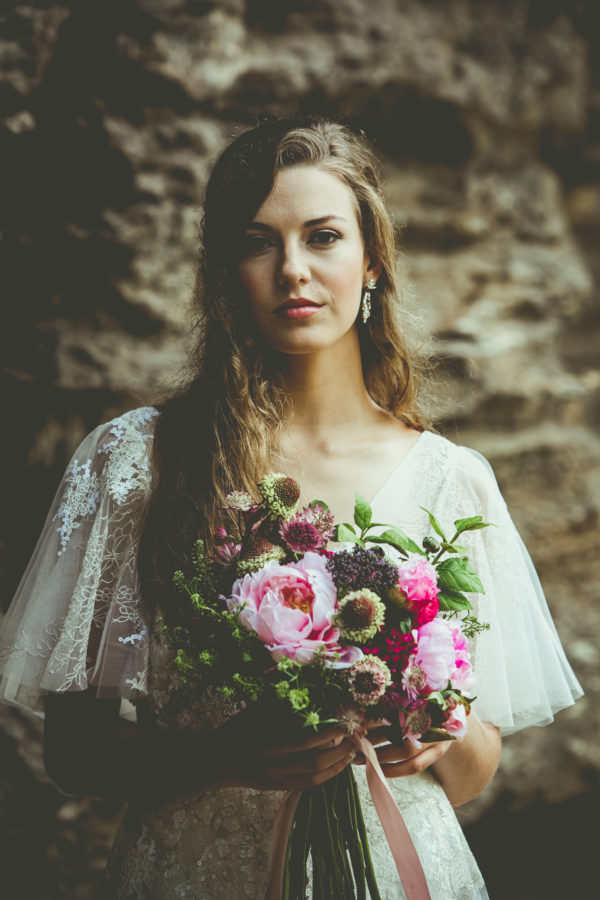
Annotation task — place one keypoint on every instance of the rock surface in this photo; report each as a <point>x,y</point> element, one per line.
<point>487,115</point>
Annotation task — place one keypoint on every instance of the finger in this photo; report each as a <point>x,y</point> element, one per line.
<point>378,736</point>
<point>310,762</point>
<point>391,753</point>
<point>316,778</point>
<point>415,764</point>
<point>370,724</point>
<point>330,736</point>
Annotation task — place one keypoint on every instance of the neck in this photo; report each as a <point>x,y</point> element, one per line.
<point>328,391</point>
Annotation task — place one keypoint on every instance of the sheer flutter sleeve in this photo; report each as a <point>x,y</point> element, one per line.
<point>76,619</point>
<point>523,675</point>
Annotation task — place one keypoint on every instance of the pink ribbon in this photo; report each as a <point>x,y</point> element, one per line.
<point>281,833</point>
<point>403,850</point>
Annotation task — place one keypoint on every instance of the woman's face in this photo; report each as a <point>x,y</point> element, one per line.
<point>303,264</point>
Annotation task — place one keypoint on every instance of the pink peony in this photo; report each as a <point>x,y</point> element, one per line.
<point>417,583</point>
<point>290,608</point>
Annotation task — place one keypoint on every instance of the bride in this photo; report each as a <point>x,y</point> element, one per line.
<point>301,367</point>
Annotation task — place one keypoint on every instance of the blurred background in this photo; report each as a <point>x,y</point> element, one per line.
<point>487,116</point>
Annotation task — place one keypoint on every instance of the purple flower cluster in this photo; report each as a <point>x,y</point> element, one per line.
<point>362,568</point>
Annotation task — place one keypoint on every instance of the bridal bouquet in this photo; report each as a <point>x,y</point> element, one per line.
<point>377,629</point>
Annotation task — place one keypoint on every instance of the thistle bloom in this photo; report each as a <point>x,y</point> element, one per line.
<point>351,719</point>
<point>360,615</point>
<point>240,500</point>
<point>309,530</point>
<point>226,553</point>
<point>368,678</point>
<point>415,721</point>
<point>291,608</point>
<point>300,536</point>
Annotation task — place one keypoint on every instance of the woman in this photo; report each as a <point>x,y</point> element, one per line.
<point>301,368</point>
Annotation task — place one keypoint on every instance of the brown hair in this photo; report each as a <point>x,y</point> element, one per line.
<point>219,433</point>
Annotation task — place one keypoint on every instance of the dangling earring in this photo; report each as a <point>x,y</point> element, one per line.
<point>371,285</point>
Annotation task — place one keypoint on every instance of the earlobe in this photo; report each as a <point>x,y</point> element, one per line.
<point>373,269</point>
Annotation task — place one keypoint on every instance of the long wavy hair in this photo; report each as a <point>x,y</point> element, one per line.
<point>220,431</point>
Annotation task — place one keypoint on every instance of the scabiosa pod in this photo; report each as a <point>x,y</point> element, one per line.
<point>256,553</point>
<point>280,495</point>
<point>368,679</point>
<point>360,615</point>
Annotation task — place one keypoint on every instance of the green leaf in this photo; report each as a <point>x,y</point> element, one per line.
<point>457,574</point>
<point>314,503</point>
<point>451,600</point>
<point>347,533</point>
<point>436,736</point>
<point>397,538</point>
<point>435,524</point>
<point>436,697</point>
<point>362,512</point>
<point>375,539</point>
<point>473,523</point>
<point>454,548</point>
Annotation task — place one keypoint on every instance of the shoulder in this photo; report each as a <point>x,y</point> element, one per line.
<point>456,467</point>
<point>115,457</point>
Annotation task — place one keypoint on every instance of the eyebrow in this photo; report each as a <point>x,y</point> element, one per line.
<point>311,222</point>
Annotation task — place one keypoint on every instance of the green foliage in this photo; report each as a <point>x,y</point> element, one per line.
<point>362,513</point>
<point>346,532</point>
<point>395,537</point>
<point>471,626</point>
<point>450,600</point>
<point>458,575</point>
<point>434,523</point>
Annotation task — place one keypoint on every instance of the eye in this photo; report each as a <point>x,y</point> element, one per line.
<point>254,243</point>
<point>325,236</point>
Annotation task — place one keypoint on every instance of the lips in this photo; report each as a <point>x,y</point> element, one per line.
<point>296,303</point>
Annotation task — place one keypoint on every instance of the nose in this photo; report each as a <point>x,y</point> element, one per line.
<point>293,266</point>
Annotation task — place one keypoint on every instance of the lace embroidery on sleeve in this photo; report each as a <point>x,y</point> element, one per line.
<point>77,618</point>
<point>79,500</point>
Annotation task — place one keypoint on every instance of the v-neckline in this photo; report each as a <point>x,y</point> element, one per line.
<point>398,468</point>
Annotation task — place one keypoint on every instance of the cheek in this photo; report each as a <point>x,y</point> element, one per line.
<point>251,281</point>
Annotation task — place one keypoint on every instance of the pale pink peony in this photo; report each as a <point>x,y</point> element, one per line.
<point>456,723</point>
<point>417,582</point>
<point>462,674</point>
<point>435,653</point>
<point>290,608</point>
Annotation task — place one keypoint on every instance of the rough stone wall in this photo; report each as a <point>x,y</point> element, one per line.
<point>488,118</point>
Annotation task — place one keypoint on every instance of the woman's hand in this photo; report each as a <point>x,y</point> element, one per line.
<point>401,759</point>
<point>253,752</point>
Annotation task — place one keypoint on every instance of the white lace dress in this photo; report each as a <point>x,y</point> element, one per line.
<point>77,620</point>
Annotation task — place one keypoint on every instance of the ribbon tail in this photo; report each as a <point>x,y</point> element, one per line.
<point>281,833</point>
<point>403,850</point>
